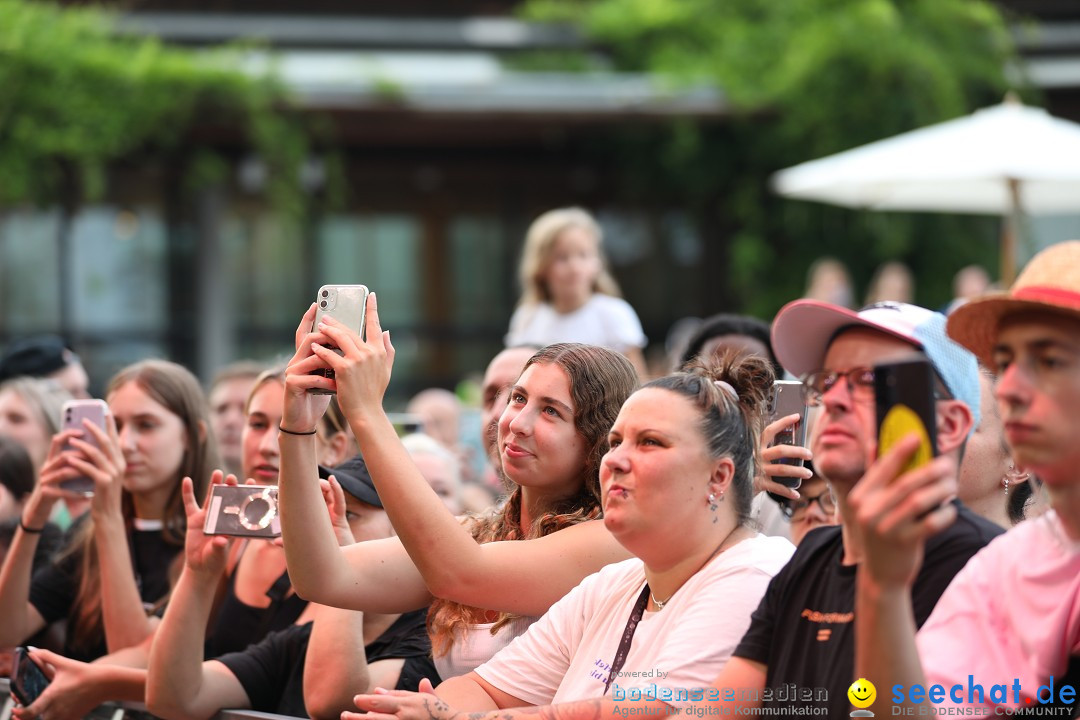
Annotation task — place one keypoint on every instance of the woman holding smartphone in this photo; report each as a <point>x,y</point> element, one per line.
<point>482,592</point>
<point>677,484</point>
<point>119,560</point>
<point>258,596</point>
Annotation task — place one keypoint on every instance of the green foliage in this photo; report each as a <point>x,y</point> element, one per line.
<point>805,78</point>
<point>75,96</point>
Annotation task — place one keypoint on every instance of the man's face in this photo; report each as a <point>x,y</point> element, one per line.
<point>844,438</point>
<point>72,377</point>
<point>501,373</point>
<point>1037,360</point>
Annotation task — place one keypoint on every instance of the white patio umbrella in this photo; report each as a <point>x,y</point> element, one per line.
<point>1005,160</point>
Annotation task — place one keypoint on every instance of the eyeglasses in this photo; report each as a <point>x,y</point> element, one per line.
<point>860,383</point>
<point>826,500</point>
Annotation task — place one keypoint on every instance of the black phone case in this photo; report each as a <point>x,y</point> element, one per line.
<point>787,399</point>
<point>903,392</point>
<point>27,679</point>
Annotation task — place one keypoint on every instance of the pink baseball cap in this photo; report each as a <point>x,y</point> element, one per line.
<point>803,330</point>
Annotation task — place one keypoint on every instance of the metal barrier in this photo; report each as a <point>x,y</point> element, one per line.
<point>118,711</point>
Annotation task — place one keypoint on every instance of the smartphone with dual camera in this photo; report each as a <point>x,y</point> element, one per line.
<point>348,305</point>
<point>72,415</point>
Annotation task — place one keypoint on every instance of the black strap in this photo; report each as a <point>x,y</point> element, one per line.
<point>627,637</point>
<point>277,593</point>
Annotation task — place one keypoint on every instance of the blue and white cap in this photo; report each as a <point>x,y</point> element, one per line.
<point>803,330</point>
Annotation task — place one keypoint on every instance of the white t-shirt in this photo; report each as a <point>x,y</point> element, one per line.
<point>477,645</point>
<point>566,655</point>
<point>1012,613</point>
<point>604,320</point>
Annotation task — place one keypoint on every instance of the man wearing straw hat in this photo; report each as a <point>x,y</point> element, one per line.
<point>1005,636</point>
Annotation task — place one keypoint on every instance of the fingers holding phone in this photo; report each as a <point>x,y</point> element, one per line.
<point>80,415</point>
<point>363,369</point>
<point>347,305</point>
<point>202,552</point>
<point>28,680</point>
<point>784,452</point>
<point>896,510</point>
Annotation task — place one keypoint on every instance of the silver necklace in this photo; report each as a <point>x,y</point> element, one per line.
<point>661,603</point>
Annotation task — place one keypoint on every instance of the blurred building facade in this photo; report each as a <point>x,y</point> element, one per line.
<point>448,152</point>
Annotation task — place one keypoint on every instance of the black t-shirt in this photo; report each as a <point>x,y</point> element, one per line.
<point>272,671</point>
<point>54,587</point>
<point>804,629</point>
<point>238,625</point>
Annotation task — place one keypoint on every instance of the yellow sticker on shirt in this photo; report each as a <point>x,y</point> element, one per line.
<point>900,422</point>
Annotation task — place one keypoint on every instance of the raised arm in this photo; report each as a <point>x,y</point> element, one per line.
<point>179,683</point>
<point>122,611</point>
<point>21,619</point>
<point>524,577</point>
<point>375,576</point>
<point>894,516</point>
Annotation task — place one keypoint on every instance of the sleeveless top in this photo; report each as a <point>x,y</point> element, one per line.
<point>238,624</point>
<point>478,645</point>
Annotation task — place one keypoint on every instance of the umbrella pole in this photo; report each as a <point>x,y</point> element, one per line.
<point>1010,231</point>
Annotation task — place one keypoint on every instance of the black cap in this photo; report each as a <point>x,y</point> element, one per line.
<point>354,479</point>
<point>35,356</point>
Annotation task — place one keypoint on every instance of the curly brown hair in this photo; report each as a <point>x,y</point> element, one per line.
<point>600,381</point>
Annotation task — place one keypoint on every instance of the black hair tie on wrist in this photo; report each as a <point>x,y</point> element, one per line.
<point>32,531</point>
<point>293,432</point>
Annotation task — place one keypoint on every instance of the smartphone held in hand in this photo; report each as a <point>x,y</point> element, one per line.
<point>904,393</point>
<point>788,399</point>
<point>28,681</point>
<point>348,305</point>
<point>73,414</point>
<point>243,511</point>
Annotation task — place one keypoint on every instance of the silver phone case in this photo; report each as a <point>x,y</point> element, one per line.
<point>348,305</point>
<point>72,415</point>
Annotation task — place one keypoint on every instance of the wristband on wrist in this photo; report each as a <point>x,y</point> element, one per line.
<point>32,531</point>
<point>294,432</point>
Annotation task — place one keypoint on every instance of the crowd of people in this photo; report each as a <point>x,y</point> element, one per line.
<point>644,545</point>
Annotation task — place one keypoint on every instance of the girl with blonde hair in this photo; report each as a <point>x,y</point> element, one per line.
<point>568,295</point>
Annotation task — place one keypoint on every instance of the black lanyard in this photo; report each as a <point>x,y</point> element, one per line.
<point>627,636</point>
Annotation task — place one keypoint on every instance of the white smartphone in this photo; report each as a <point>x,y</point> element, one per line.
<point>348,305</point>
<point>73,414</point>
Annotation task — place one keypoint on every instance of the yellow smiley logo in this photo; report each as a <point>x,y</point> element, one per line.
<point>862,693</point>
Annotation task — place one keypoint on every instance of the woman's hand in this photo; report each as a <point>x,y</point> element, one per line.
<point>203,554</point>
<point>103,463</point>
<point>303,408</point>
<point>402,705</point>
<point>72,692</point>
<point>771,457</point>
<point>334,497</point>
<point>54,471</point>
<point>363,371</point>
